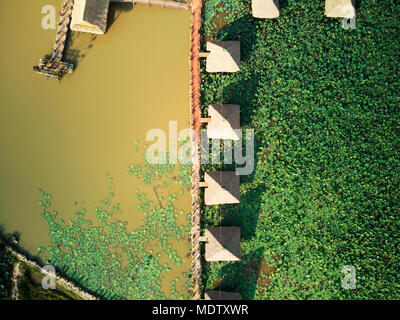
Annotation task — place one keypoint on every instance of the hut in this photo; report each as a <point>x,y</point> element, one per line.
<point>265,9</point>
<point>224,56</point>
<point>222,295</point>
<point>340,9</point>
<point>223,120</point>
<point>90,16</point>
<point>222,187</point>
<point>223,244</point>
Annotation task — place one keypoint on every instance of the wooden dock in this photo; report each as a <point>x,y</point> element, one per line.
<point>54,67</point>
<point>162,3</point>
<point>195,122</point>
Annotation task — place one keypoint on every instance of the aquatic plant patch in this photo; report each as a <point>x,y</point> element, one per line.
<point>106,259</point>
<point>324,104</point>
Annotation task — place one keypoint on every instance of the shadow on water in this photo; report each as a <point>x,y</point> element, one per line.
<point>245,214</point>
<point>357,4</point>
<point>13,239</point>
<point>78,43</point>
<point>115,10</point>
<point>283,4</point>
<point>241,277</point>
<point>236,31</point>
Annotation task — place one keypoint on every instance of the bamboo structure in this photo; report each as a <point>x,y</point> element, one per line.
<point>55,67</point>
<point>196,6</point>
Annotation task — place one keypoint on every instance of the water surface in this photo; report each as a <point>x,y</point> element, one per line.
<point>69,137</point>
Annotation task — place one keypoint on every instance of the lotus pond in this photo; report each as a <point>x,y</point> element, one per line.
<point>74,182</point>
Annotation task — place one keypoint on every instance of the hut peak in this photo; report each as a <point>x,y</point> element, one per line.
<point>224,56</point>
<point>224,120</point>
<point>340,9</point>
<point>266,9</point>
<point>223,244</point>
<point>222,187</point>
<point>222,295</point>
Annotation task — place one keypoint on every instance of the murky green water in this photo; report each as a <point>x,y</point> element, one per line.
<point>69,137</point>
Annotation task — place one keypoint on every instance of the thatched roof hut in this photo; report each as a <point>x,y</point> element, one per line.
<point>266,9</point>
<point>223,244</point>
<point>223,187</point>
<point>222,295</point>
<point>90,16</point>
<point>225,118</point>
<point>224,56</point>
<point>340,9</point>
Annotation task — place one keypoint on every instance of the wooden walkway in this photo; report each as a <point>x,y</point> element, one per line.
<point>55,67</point>
<point>196,6</point>
<point>62,30</point>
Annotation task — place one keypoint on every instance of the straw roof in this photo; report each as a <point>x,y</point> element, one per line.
<point>225,118</point>
<point>90,16</point>
<point>223,187</point>
<point>224,56</point>
<point>222,295</point>
<point>268,9</point>
<point>223,244</point>
<point>339,8</point>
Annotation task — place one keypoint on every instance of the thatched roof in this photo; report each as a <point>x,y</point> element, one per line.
<point>224,56</point>
<point>223,244</point>
<point>267,9</point>
<point>222,295</point>
<point>90,16</point>
<point>339,8</point>
<point>225,118</point>
<point>223,187</point>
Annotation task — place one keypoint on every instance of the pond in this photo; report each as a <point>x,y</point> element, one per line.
<point>74,183</point>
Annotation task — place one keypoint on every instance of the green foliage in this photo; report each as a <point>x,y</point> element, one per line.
<point>106,259</point>
<point>7,261</point>
<point>324,104</point>
<point>30,288</point>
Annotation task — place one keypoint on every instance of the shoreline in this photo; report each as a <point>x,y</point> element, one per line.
<point>67,284</point>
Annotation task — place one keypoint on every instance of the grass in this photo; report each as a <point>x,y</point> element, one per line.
<point>30,288</point>
<point>7,261</point>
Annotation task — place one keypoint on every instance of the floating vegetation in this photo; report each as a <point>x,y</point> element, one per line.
<point>174,292</point>
<point>324,105</point>
<point>104,257</point>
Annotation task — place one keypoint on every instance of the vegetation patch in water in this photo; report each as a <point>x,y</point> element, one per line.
<point>106,259</point>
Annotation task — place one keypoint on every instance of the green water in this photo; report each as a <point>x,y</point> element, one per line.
<point>67,138</point>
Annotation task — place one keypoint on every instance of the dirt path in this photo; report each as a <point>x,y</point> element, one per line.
<point>195,123</point>
<point>17,274</point>
<point>68,285</point>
